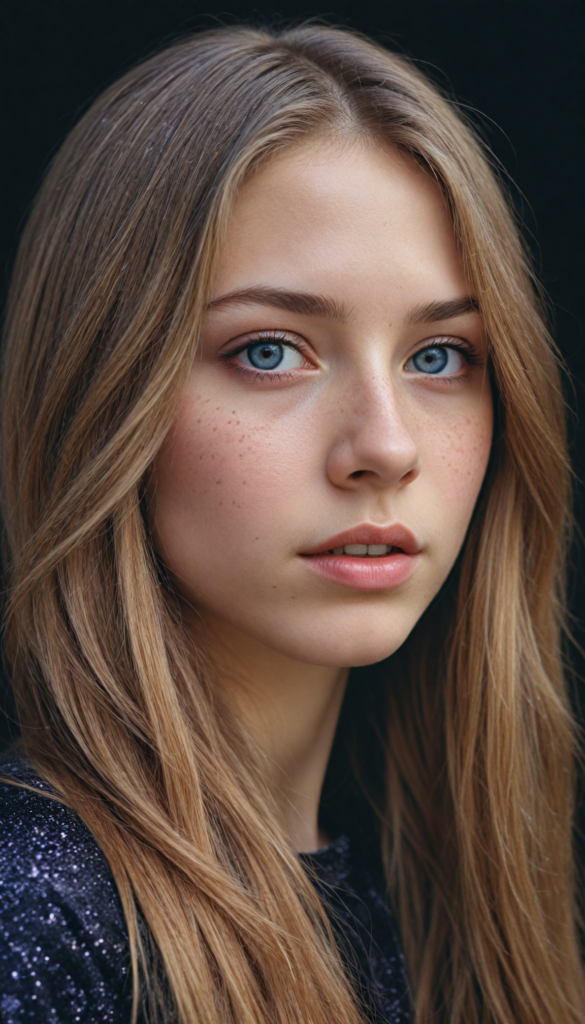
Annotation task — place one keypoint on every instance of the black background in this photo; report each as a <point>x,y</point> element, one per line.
<point>518,66</point>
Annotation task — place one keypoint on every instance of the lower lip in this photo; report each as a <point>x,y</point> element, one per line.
<point>379,573</point>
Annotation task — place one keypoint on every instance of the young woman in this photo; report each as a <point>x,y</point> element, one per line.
<point>279,402</point>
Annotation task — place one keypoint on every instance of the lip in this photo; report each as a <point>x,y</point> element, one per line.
<point>395,535</point>
<point>384,572</point>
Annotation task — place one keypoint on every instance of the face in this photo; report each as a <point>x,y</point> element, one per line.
<point>329,449</point>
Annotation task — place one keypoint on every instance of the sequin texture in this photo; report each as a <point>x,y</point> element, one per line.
<point>64,953</point>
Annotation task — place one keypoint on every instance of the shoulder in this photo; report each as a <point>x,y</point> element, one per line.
<point>63,943</point>
<point>42,839</point>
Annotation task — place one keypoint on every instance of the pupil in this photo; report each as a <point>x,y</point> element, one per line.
<point>266,355</point>
<point>431,360</point>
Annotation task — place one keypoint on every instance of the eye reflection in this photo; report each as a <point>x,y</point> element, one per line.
<point>437,360</point>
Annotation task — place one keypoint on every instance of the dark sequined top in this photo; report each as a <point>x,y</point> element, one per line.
<point>64,953</point>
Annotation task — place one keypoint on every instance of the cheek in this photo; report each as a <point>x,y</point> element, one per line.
<point>455,457</point>
<point>463,456</point>
<point>222,479</point>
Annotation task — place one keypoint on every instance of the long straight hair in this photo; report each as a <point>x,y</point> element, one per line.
<point>119,711</point>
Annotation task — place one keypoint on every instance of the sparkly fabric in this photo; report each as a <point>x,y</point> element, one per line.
<point>352,888</point>
<point>64,953</point>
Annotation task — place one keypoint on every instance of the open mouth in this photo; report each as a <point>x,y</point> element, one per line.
<point>368,541</point>
<point>366,557</point>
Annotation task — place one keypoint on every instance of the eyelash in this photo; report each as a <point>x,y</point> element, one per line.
<point>469,351</point>
<point>264,375</point>
<point>472,355</point>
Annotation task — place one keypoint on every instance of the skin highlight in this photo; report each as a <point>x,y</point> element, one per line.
<point>261,467</point>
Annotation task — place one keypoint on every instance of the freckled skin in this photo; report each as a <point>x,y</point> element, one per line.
<point>254,473</point>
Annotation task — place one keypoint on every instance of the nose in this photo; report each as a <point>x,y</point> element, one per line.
<point>373,445</point>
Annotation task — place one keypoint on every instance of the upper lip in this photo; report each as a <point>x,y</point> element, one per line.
<point>396,535</point>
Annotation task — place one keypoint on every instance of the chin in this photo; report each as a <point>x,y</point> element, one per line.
<point>350,649</point>
<point>354,656</point>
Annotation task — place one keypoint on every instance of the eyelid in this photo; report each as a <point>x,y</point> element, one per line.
<point>472,353</point>
<point>292,340</point>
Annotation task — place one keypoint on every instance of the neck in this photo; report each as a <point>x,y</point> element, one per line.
<point>291,709</point>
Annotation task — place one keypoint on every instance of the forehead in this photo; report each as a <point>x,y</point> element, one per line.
<point>357,219</point>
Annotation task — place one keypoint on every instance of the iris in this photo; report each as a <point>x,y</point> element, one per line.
<point>265,355</point>
<point>431,360</point>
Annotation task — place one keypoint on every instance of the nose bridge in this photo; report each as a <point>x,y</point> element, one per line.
<point>377,405</point>
<point>374,435</point>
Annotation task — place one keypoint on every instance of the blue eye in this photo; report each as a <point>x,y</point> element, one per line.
<point>270,354</point>
<point>437,360</point>
<point>265,355</point>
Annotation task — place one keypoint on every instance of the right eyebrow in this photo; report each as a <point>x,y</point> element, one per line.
<point>304,303</point>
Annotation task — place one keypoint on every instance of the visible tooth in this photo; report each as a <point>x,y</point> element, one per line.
<point>337,551</point>
<point>377,549</point>
<point>356,549</point>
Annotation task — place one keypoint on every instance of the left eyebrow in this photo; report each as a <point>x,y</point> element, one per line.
<point>431,312</point>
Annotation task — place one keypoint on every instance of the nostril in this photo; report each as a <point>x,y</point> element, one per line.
<point>356,475</point>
